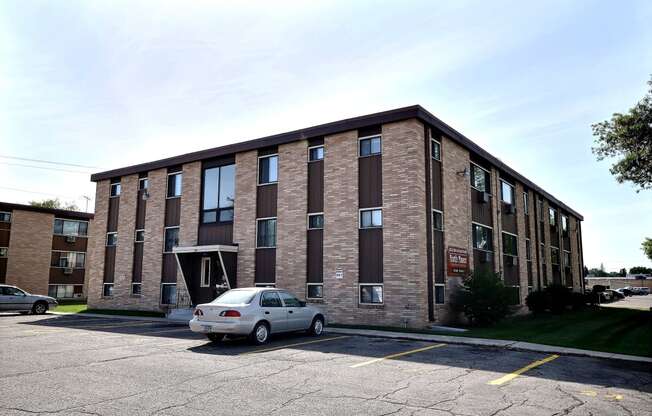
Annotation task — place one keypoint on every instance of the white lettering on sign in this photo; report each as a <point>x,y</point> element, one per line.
<point>339,274</point>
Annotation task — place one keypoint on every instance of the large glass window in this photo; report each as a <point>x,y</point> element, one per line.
<point>316,153</point>
<point>266,235</point>
<point>219,194</point>
<point>482,237</point>
<point>171,238</point>
<point>510,244</point>
<point>371,293</point>
<point>480,178</point>
<point>371,218</point>
<point>70,227</point>
<point>370,146</point>
<point>526,207</point>
<point>435,149</point>
<point>506,192</point>
<point>68,259</point>
<point>116,188</point>
<point>174,185</point>
<point>267,169</point>
<point>440,294</point>
<point>564,223</point>
<point>540,209</point>
<point>315,291</point>
<point>168,294</point>
<point>552,214</point>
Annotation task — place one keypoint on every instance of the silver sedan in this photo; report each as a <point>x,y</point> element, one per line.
<point>256,312</point>
<point>15,299</point>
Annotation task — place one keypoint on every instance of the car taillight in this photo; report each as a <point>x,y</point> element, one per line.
<point>198,312</point>
<point>230,314</point>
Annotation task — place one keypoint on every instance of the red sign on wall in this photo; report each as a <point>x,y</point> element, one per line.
<point>458,261</point>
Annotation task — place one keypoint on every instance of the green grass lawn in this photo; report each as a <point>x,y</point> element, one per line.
<point>70,306</point>
<point>80,307</point>
<point>623,331</point>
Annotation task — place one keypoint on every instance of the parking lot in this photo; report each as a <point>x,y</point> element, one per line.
<point>72,365</point>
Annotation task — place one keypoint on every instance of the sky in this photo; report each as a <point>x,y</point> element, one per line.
<point>109,84</point>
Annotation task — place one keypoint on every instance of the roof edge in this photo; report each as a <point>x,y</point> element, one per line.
<point>55,211</point>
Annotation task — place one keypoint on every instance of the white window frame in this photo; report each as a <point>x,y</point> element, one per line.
<point>382,220</point>
<point>443,286</point>
<point>167,184</point>
<point>202,282</point>
<point>487,186</point>
<point>380,136</point>
<point>106,241</point>
<point>315,147</point>
<point>6,250</point>
<point>492,236</point>
<point>265,285</point>
<point>165,232</point>
<point>567,226</point>
<point>140,182</point>
<point>526,207</point>
<point>111,186</point>
<point>68,235</point>
<point>6,213</point>
<point>139,284</point>
<point>264,219</point>
<point>75,262</point>
<point>503,245</point>
<point>136,231</point>
<point>63,284</point>
<point>360,302</point>
<point>112,287</point>
<point>502,181</point>
<point>258,169</point>
<point>312,214</point>
<point>161,297</point>
<point>432,156</point>
<point>314,284</point>
<point>552,221</point>
<point>442,220</point>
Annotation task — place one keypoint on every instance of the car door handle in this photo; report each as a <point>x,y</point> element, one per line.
<point>290,311</point>
<point>266,312</point>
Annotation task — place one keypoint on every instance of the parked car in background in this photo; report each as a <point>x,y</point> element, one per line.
<point>256,312</point>
<point>615,295</point>
<point>641,291</point>
<point>627,291</point>
<point>13,299</point>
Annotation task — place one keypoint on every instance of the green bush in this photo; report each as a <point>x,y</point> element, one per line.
<point>483,298</point>
<point>537,301</point>
<point>556,299</point>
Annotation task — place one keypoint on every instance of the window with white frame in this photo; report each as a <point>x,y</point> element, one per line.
<point>564,223</point>
<point>526,207</point>
<point>4,252</point>
<point>111,239</point>
<point>174,184</point>
<point>267,169</point>
<point>115,189</point>
<point>266,233</point>
<point>437,220</point>
<point>440,293</point>
<point>371,293</point>
<point>5,216</point>
<point>171,239</point>
<point>107,290</point>
<point>68,259</point>
<point>315,153</point>
<point>75,228</point>
<point>316,221</point>
<point>205,272</point>
<point>61,291</point>
<point>315,291</point>
<point>506,192</point>
<point>143,184</point>
<point>482,237</point>
<point>168,293</point>
<point>552,216</point>
<point>480,178</point>
<point>218,194</point>
<point>510,244</point>
<point>139,236</point>
<point>368,146</point>
<point>435,149</point>
<point>371,218</point>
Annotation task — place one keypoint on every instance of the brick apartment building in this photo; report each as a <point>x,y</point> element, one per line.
<point>375,217</point>
<point>42,250</point>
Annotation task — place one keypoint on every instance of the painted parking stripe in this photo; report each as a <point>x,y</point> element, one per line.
<point>399,354</point>
<point>511,376</point>
<point>160,331</point>
<point>112,325</point>
<point>293,345</point>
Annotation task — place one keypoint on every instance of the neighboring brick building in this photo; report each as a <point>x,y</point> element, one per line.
<point>42,250</point>
<point>375,217</point>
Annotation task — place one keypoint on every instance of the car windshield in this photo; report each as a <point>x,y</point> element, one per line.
<point>236,297</point>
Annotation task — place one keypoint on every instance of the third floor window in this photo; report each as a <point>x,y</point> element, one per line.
<point>174,185</point>
<point>480,178</point>
<point>218,194</point>
<point>267,169</point>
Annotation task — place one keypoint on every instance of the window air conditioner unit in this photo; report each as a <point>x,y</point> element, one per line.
<point>485,257</point>
<point>483,197</point>
<point>71,239</point>
<point>67,270</point>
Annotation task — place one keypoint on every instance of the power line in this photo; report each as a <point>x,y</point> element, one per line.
<point>45,168</point>
<point>38,193</point>
<point>48,161</point>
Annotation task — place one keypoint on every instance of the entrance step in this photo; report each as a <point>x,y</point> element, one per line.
<point>179,314</point>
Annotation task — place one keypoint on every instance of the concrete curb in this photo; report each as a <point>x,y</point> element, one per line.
<point>127,317</point>
<point>511,345</point>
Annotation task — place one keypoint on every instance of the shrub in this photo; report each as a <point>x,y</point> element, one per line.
<point>483,298</point>
<point>556,299</point>
<point>537,301</point>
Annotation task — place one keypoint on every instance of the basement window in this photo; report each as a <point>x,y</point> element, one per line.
<point>315,291</point>
<point>107,290</point>
<point>371,294</point>
<point>440,290</point>
<point>371,218</point>
<point>315,221</point>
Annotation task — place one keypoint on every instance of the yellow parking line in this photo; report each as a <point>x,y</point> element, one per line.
<point>400,354</point>
<point>512,376</point>
<point>293,345</point>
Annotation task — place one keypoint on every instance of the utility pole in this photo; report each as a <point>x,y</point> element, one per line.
<point>88,199</point>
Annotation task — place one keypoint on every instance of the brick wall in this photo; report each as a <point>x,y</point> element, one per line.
<point>244,221</point>
<point>291,240</point>
<point>189,216</point>
<point>576,267</point>
<point>96,248</point>
<point>498,223</point>
<point>124,259</point>
<point>30,249</point>
<point>522,255</point>
<point>546,232</point>
<point>534,244</point>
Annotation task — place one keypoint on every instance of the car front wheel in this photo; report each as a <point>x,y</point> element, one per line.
<point>317,327</point>
<point>260,334</point>
<point>40,308</point>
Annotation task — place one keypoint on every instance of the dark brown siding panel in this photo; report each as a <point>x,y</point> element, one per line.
<point>316,186</point>
<point>510,273</point>
<point>5,226</point>
<point>141,209</point>
<point>370,130</point>
<point>266,201</point>
<point>215,234</point>
<point>440,268</point>
<point>137,273</point>
<point>528,232</point>
<point>315,256</point>
<point>529,273</point>
<point>169,274</point>
<point>508,220</point>
<point>114,206</point>
<point>265,265</point>
<point>316,141</point>
<point>3,270</point>
<point>58,277</point>
<point>436,185</point>
<point>4,238</point>
<point>272,150</point>
<point>172,211</point>
<point>481,212</point>
<point>59,243</point>
<point>109,264</point>
<point>371,256</point>
<point>370,181</point>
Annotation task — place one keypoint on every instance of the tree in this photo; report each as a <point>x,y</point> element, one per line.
<point>640,270</point>
<point>54,203</point>
<point>623,272</point>
<point>647,247</point>
<point>628,136</point>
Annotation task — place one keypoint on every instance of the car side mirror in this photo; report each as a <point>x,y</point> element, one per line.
<point>302,303</point>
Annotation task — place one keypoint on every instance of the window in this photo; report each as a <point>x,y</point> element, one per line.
<point>542,253</point>
<point>371,218</point>
<point>526,207</point>
<point>552,215</point>
<point>540,209</point>
<point>289,300</point>
<point>528,249</point>
<point>371,293</point>
<point>510,244</point>
<point>437,220</point>
<point>315,221</point>
<point>168,293</point>
<point>136,289</point>
<point>567,259</point>
<point>480,178</point>
<point>554,255</point>
<point>266,233</point>
<point>440,294</point>
<point>270,300</point>
<point>482,237</point>
<point>205,272</point>
<point>369,146</point>
<point>435,149</point>
<point>267,169</point>
<point>171,239</point>
<point>5,216</point>
<point>315,291</point>
<point>115,189</point>
<point>139,236</point>
<point>11,291</point>
<point>143,184</point>
<point>219,194</point>
<point>315,153</point>
<point>69,259</point>
<point>174,184</point>
<point>564,223</point>
<point>4,251</point>
<point>506,192</point>
<point>61,291</point>
<point>107,290</point>
<point>70,227</point>
<point>236,297</point>
<point>111,239</point>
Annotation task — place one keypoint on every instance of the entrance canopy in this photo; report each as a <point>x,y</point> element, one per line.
<point>206,249</point>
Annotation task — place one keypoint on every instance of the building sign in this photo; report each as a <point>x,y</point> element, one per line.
<point>339,274</point>
<point>458,261</point>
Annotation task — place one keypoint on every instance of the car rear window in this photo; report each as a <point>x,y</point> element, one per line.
<point>236,297</point>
